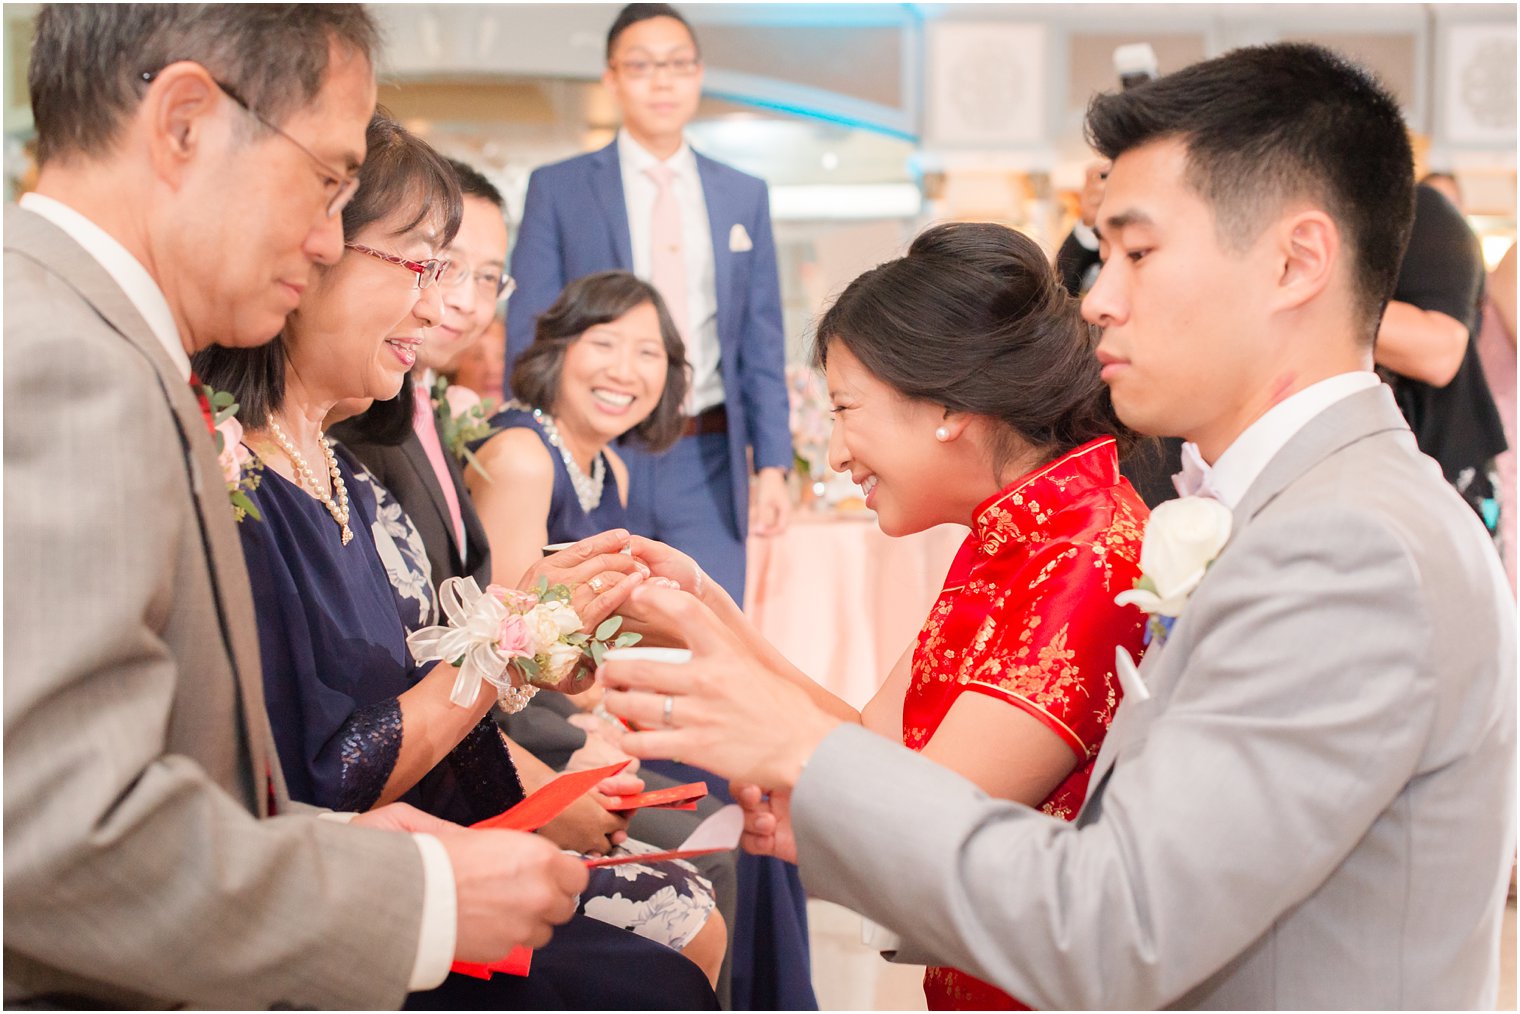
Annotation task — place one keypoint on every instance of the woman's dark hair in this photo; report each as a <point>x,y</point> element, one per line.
<point>586,302</point>
<point>975,319</point>
<point>400,171</point>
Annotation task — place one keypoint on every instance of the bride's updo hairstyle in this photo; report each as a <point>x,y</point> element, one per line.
<point>974,319</point>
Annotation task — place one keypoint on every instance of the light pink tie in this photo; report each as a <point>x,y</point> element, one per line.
<point>667,258</point>
<point>427,432</point>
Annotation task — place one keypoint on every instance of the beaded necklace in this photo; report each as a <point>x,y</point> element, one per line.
<point>588,489</point>
<point>337,505</point>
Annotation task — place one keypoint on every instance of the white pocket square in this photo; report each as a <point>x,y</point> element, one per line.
<point>738,240</point>
<point>1129,676</point>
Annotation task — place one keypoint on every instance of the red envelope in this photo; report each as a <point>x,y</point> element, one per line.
<point>550,801</point>
<point>517,962</point>
<point>651,857</point>
<point>677,797</point>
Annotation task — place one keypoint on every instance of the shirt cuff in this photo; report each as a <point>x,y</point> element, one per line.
<point>435,947</point>
<point>1084,234</point>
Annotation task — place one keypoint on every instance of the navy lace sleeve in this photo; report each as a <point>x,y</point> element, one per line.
<point>369,744</point>
<point>483,770</point>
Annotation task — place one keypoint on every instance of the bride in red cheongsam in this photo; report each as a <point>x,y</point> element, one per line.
<point>966,390</point>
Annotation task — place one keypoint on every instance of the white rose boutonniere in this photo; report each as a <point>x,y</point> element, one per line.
<point>1181,540</point>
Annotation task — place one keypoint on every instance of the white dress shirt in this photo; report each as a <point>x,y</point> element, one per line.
<point>435,948</point>
<point>639,192</point>
<point>1244,459</point>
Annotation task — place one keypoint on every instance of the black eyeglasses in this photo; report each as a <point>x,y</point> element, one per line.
<point>428,272</point>
<point>490,284</point>
<point>342,185</point>
<point>639,67</point>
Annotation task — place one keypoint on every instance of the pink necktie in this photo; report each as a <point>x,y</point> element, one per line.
<point>667,259</point>
<point>427,431</point>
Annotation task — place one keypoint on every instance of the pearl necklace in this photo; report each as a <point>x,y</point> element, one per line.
<point>337,505</point>
<point>588,489</point>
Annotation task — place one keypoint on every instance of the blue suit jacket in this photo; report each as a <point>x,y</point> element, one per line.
<point>575,223</point>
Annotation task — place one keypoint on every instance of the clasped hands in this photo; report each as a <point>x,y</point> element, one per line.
<point>725,710</point>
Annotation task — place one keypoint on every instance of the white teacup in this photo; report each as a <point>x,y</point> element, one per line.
<point>559,547</point>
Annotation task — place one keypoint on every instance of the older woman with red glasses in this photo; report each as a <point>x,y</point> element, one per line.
<point>338,575</point>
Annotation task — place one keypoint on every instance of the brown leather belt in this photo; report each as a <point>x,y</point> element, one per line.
<point>713,420</point>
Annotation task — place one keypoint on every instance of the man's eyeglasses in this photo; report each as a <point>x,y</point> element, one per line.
<point>489,284</point>
<point>341,186</point>
<point>428,272</point>
<point>639,67</point>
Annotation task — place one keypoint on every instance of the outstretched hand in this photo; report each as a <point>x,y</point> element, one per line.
<point>767,821</point>
<point>724,710</point>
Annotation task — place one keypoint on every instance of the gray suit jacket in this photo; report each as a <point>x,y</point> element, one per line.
<point>141,866</point>
<point>1314,809</point>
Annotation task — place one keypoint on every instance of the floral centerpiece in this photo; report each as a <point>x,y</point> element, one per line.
<point>517,641</point>
<point>810,425</point>
<point>463,417</point>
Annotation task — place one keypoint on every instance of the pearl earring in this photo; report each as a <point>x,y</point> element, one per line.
<point>943,433</point>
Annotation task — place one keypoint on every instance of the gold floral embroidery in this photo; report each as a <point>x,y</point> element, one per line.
<point>970,636</point>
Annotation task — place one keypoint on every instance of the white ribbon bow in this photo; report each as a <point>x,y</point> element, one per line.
<point>474,625</point>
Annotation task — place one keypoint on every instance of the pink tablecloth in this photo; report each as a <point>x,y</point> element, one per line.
<point>842,600</point>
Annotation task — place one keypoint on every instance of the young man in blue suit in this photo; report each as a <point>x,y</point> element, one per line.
<point>701,232</point>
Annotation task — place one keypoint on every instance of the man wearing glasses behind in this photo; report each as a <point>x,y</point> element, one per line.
<point>700,232</point>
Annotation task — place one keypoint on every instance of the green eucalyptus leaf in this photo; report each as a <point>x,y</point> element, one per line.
<point>221,399</point>
<point>598,649</point>
<point>627,639</point>
<point>608,627</point>
<point>474,462</point>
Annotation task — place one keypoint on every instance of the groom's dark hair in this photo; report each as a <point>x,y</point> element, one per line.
<point>1269,124</point>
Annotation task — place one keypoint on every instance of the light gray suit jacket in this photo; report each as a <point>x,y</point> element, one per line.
<point>1315,808</point>
<point>141,868</point>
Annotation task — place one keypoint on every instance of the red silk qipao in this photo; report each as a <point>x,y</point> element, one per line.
<point>1027,617</point>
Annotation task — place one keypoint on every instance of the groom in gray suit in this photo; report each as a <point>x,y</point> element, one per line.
<point>193,160</point>
<point>1306,799</point>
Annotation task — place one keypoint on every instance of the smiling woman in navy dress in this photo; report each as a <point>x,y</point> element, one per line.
<point>356,721</point>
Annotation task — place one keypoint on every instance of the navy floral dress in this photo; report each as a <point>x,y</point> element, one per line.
<point>333,621</point>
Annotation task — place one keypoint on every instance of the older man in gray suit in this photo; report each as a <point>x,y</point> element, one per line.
<point>1306,799</point>
<point>193,161</point>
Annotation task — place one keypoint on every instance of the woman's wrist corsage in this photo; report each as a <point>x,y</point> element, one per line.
<point>517,641</point>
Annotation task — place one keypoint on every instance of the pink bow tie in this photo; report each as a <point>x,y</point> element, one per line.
<point>1195,479</point>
